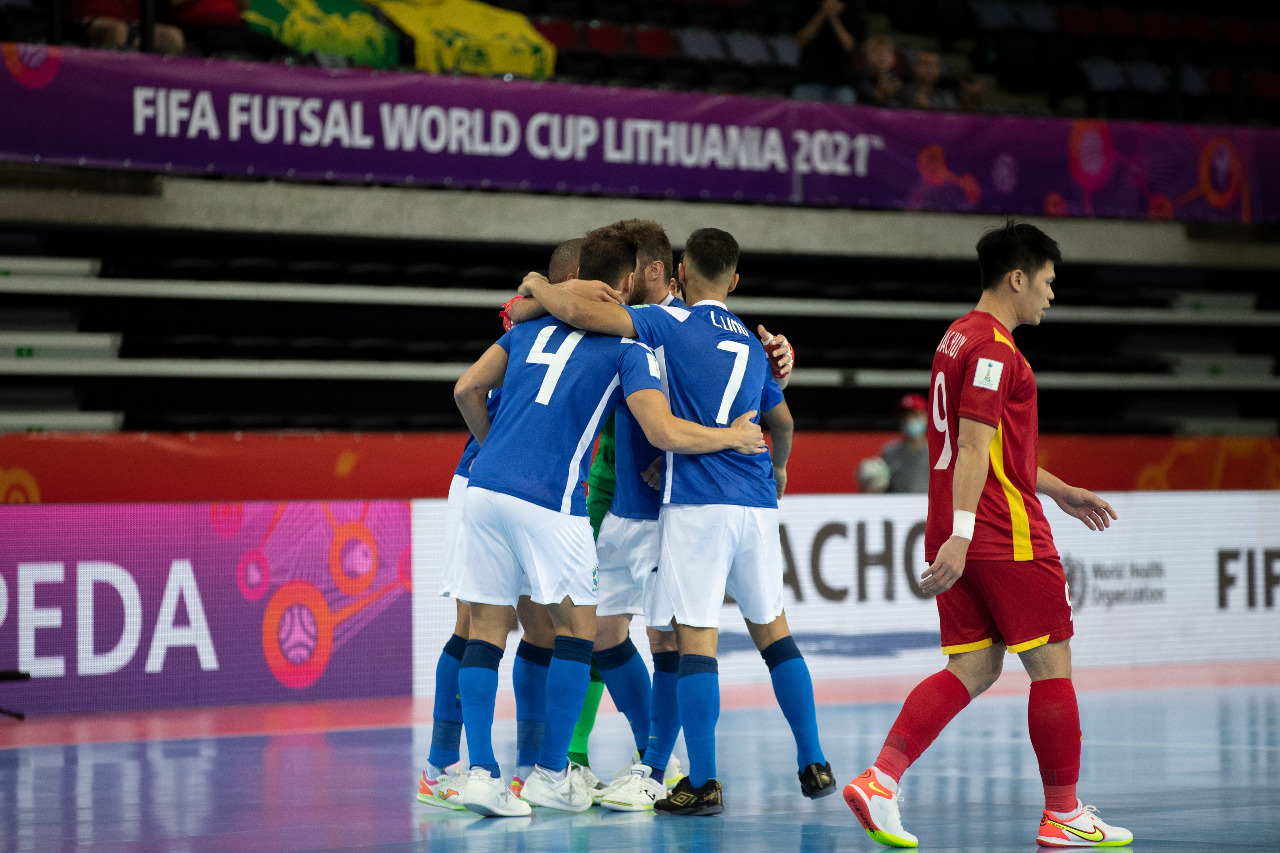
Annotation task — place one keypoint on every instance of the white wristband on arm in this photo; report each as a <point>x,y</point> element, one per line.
<point>962,524</point>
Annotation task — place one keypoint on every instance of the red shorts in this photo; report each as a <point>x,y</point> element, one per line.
<point>1021,604</point>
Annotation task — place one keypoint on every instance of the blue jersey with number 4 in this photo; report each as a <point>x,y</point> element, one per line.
<point>715,371</point>
<point>559,388</point>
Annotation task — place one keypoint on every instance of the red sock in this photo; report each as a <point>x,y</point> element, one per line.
<point>928,709</point>
<point>1053,718</point>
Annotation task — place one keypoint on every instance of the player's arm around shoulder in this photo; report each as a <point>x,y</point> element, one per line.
<point>604,314</point>
<point>667,432</point>
<point>782,429</point>
<point>1076,502</point>
<point>474,386</point>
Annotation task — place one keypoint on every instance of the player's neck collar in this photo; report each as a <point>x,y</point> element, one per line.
<point>715,302</point>
<point>671,297</point>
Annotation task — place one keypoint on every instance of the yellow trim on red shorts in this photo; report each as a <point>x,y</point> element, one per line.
<point>1029,644</point>
<point>967,647</point>
<point>1018,521</point>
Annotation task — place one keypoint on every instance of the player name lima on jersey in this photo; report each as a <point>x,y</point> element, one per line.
<point>979,374</point>
<point>473,447</point>
<point>715,370</point>
<point>559,387</point>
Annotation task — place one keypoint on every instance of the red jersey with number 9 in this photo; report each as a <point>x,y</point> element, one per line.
<point>978,373</point>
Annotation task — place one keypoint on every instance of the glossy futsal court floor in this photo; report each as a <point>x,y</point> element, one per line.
<point>1193,768</point>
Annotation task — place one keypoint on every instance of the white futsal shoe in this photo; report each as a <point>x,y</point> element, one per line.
<point>1082,829</point>
<point>877,810</point>
<point>489,795</point>
<point>588,781</point>
<point>636,792</point>
<point>567,794</point>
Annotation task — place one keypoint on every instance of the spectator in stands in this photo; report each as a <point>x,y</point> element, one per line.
<point>923,92</point>
<point>878,83</point>
<point>827,44</point>
<point>908,457</point>
<point>215,27</point>
<point>113,24</point>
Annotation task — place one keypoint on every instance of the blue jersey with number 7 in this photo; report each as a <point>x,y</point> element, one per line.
<point>715,371</point>
<point>559,387</point>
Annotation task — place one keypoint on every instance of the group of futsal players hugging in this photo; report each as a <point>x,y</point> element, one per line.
<point>619,343</point>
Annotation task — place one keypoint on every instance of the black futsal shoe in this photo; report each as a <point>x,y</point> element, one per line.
<point>688,800</point>
<point>817,781</point>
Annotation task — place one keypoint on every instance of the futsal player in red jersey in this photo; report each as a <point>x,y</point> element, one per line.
<point>992,563</point>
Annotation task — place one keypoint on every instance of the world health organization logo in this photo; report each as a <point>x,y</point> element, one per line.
<point>1077,580</point>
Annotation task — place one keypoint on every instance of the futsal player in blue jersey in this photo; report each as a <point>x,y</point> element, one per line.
<point>719,511</point>
<point>525,514</point>
<point>444,778</point>
<point>628,546</point>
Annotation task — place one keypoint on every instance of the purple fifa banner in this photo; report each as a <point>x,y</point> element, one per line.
<point>142,606</point>
<point>123,110</point>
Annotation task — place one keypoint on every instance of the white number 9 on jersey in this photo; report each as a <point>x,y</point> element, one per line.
<point>940,420</point>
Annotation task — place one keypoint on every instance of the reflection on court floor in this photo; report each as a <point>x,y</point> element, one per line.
<point>1186,769</point>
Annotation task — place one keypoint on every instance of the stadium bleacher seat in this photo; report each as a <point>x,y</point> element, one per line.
<point>1105,84</point>
<point>559,31</point>
<point>752,52</point>
<point>785,51</point>
<point>605,38</point>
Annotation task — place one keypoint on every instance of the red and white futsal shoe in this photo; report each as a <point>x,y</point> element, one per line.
<point>1083,829</point>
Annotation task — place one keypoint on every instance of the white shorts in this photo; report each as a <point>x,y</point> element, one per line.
<point>629,585</point>
<point>518,548</point>
<point>455,552</point>
<point>711,549</point>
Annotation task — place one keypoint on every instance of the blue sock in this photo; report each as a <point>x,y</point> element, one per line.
<point>664,713</point>
<point>698,691</point>
<point>446,714</point>
<point>627,680</point>
<point>478,678</point>
<point>567,679</point>
<point>793,688</point>
<point>529,676</point>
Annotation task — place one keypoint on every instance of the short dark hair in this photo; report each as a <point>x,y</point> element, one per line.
<point>564,260</point>
<point>1014,246</point>
<point>711,252</point>
<point>653,243</point>
<point>607,255</point>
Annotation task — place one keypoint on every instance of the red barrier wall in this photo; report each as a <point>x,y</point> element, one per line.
<point>120,467</point>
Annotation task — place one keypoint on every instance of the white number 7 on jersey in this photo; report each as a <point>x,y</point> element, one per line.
<point>740,352</point>
<point>555,361</point>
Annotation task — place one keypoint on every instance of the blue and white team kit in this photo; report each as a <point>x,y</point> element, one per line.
<point>525,519</point>
<point>628,543</point>
<point>455,551</point>
<point>719,516</point>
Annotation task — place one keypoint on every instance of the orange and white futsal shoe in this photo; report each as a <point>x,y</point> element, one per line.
<point>877,810</point>
<point>444,791</point>
<point>1083,829</point>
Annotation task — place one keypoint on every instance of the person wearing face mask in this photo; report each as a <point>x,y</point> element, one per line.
<point>908,457</point>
